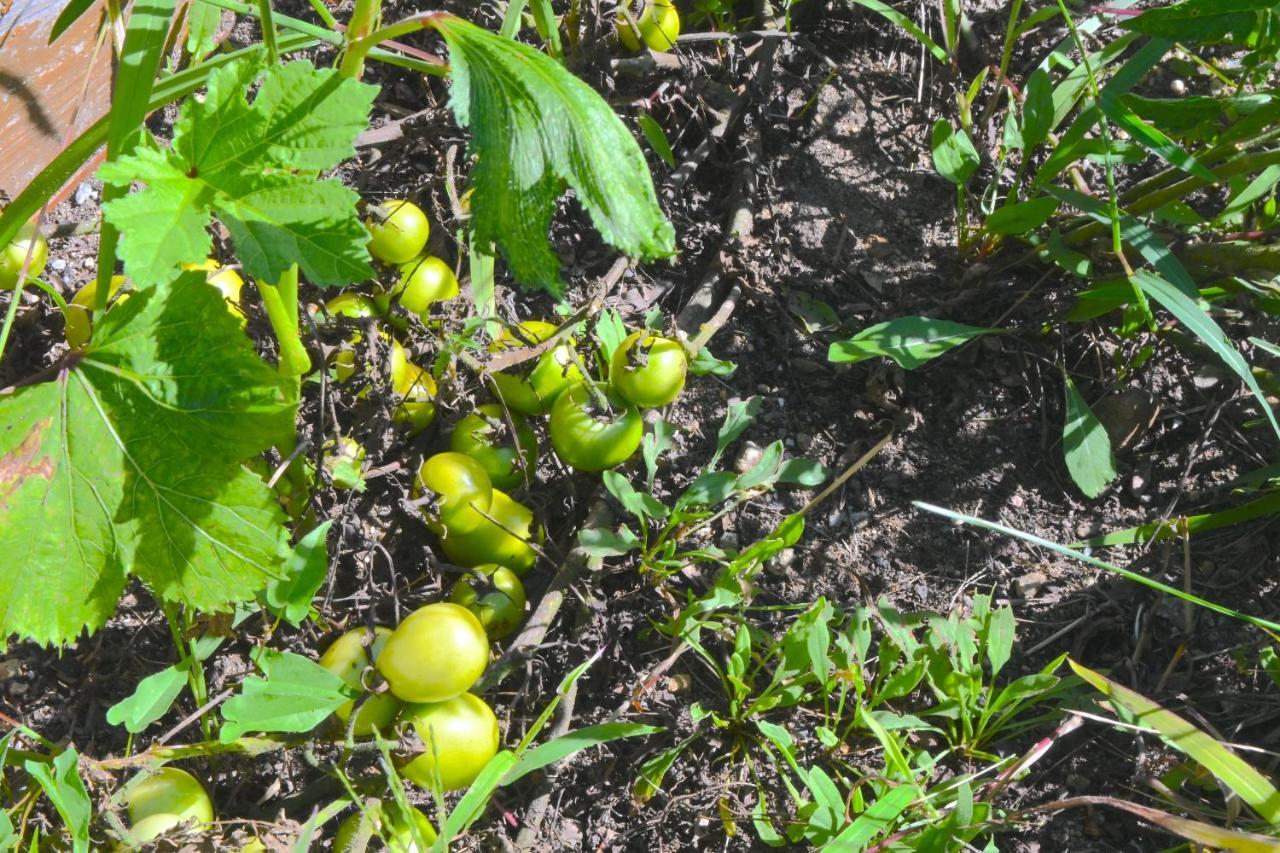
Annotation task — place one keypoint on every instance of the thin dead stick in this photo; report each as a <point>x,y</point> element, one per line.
<point>195,715</point>
<point>848,472</point>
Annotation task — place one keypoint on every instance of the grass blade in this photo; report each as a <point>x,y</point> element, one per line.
<point>907,24</point>
<point>1214,837</point>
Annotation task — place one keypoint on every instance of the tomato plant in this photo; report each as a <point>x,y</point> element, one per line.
<point>164,799</point>
<point>398,230</point>
<point>485,435</point>
<point>435,653</point>
<point>388,821</point>
<point>14,255</point>
<point>458,736</point>
<point>461,493</point>
<point>348,657</point>
<point>590,439</point>
<point>648,370</point>
<point>533,393</point>
<point>495,595</point>
<point>503,539</point>
<point>423,281</point>
<point>658,24</point>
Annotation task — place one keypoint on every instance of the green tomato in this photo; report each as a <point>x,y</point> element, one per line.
<point>458,739</point>
<point>353,306</point>
<point>495,595</point>
<point>14,255</point>
<point>494,542</point>
<point>534,392</point>
<point>436,653</point>
<point>78,319</point>
<point>416,389</point>
<point>401,234</point>
<point>348,657</point>
<point>344,463</point>
<point>658,23</point>
<point>648,370</point>
<point>424,280</point>
<point>387,821</point>
<point>589,440</point>
<point>164,799</point>
<point>485,436</point>
<point>462,490</point>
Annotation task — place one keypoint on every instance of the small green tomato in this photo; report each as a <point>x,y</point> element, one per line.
<point>14,255</point>
<point>423,281</point>
<point>436,653</point>
<point>658,23</point>
<point>485,435</point>
<point>397,231</point>
<point>164,799</point>
<point>348,657</point>
<point>495,595</point>
<point>386,821</point>
<point>458,736</point>
<point>344,463</point>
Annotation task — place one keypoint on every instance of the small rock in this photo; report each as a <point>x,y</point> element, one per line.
<point>1207,378</point>
<point>748,457</point>
<point>834,517</point>
<point>764,389</point>
<point>85,193</point>
<point>58,264</point>
<point>782,561</point>
<point>89,263</point>
<point>859,520</point>
<point>804,442</point>
<point>879,247</point>
<point>789,442</point>
<point>1016,501</point>
<point>729,541</point>
<point>1178,87</point>
<point>1137,485</point>
<point>1029,584</point>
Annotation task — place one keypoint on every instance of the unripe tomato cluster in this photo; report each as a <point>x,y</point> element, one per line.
<point>427,664</point>
<point>655,22</point>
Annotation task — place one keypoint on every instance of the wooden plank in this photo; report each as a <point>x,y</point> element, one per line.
<point>41,86</point>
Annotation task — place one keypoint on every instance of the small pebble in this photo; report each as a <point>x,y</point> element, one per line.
<point>782,561</point>
<point>859,520</point>
<point>748,457</point>
<point>58,264</point>
<point>1016,501</point>
<point>804,441</point>
<point>85,193</point>
<point>834,517</point>
<point>729,541</point>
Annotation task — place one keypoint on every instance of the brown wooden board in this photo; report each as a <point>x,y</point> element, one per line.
<point>41,87</point>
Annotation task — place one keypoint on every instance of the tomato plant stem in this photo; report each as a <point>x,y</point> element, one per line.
<point>281,303</point>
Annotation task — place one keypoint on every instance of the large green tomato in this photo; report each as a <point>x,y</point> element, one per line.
<point>495,595</point>
<point>400,236</point>
<point>532,393</point>
<point>462,493</point>
<point>424,280</point>
<point>14,255</point>
<point>416,389</point>
<point>164,799</point>
<point>504,540</point>
<point>590,440</point>
<point>648,370</point>
<point>658,23</point>
<point>485,436</point>
<point>348,658</point>
<point>78,319</point>
<point>458,739</point>
<point>388,822</point>
<point>437,652</point>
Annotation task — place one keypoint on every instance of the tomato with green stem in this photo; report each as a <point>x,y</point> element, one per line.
<point>590,437</point>
<point>657,24</point>
<point>416,389</point>
<point>387,821</point>
<point>504,538</point>
<point>458,737</point>
<point>14,255</point>
<point>348,657</point>
<point>78,321</point>
<point>398,231</point>
<point>495,595</point>
<point>164,799</point>
<point>648,370</point>
<point>534,392</point>
<point>437,652</point>
<point>486,436</point>
<point>460,491</point>
<point>424,281</point>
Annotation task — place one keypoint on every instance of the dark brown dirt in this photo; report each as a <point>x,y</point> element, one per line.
<point>849,212</point>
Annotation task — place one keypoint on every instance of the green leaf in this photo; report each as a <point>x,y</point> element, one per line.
<point>652,772</point>
<point>1198,321</point>
<point>740,416</point>
<point>954,156</point>
<point>1086,445</point>
<point>68,16</point>
<point>876,819</point>
<point>1037,109</point>
<point>910,341</point>
<point>998,636</point>
<point>709,489</point>
<point>1022,217</point>
<point>65,789</point>
<point>535,127</point>
<point>571,743</point>
<point>253,165</point>
<point>477,797</point>
<point>150,701</point>
<point>1263,507</point>
<point>1247,783</point>
<point>639,504</point>
<point>657,138</point>
<point>765,471</point>
<point>908,25</point>
<point>295,695</point>
<point>706,364</point>
<point>1207,21</point>
<point>803,472</point>
<point>130,461</point>
<point>656,441</point>
<point>608,543</point>
<point>289,596</point>
<point>203,21</point>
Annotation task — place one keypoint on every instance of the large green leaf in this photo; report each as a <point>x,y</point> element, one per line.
<point>295,695</point>
<point>1208,21</point>
<point>129,461</point>
<point>910,341</point>
<point>253,165</point>
<point>535,127</point>
<point>1085,445</point>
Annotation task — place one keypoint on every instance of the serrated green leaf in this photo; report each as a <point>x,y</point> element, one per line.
<point>639,504</point>
<point>150,700</point>
<point>1086,445</point>
<point>289,596</point>
<point>130,461</point>
<point>910,341</point>
<point>535,127</point>
<point>254,165</point>
<point>64,787</point>
<point>295,695</point>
